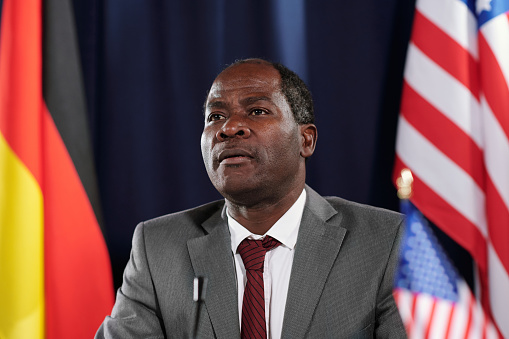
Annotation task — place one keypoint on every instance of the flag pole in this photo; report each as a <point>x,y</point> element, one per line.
<point>405,189</point>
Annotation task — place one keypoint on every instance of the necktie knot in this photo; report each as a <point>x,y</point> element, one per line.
<point>253,251</point>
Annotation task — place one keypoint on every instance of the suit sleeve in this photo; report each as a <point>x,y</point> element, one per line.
<point>135,313</point>
<point>388,321</point>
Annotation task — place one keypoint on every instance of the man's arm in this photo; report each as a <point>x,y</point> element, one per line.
<point>135,314</point>
<point>388,321</point>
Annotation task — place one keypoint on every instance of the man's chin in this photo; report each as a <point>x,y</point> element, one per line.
<point>238,189</point>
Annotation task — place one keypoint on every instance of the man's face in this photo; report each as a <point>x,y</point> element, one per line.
<point>251,144</point>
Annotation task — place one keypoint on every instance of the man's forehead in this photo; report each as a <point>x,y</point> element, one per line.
<point>249,70</point>
<point>246,76</point>
<point>250,85</point>
<point>252,63</point>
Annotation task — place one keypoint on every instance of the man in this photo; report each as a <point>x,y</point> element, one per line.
<point>330,273</point>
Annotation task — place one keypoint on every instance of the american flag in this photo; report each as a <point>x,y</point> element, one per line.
<point>453,133</point>
<point>433,300</point>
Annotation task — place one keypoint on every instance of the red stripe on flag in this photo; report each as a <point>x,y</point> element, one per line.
<point>498,222</point>
<point>446,52</point>
<point>449,138</point>
<point>494,84</point>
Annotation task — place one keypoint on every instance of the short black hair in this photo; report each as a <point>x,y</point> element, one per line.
<point>293,88</point>
<point>297,94</point>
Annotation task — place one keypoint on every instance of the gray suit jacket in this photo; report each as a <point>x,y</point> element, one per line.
<point>340,285</point>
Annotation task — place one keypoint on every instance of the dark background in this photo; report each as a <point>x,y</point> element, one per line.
<point>148,64</point>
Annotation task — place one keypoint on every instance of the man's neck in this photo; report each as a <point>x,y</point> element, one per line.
<point>259,219</point>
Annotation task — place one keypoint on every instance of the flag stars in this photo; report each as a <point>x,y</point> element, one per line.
<point>423,265</point>
<point>482,5</point>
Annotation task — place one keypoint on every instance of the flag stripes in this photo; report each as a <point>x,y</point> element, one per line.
<point>438,45</point>
<point>22,311</point>
<point>426,316</point>
<point>453,132</point>
<point>456,103</point>
<point>454,19</point>
<point>54,263</point>
<point>427,117</point>
<point>429,164</point>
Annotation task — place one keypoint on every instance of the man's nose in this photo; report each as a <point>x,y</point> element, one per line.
<point>233,127</point>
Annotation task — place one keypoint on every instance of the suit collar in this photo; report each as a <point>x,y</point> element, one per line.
<point>211,257</point>
<point>318,205</point>
<point>318,244</point>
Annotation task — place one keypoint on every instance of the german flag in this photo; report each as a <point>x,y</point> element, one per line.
<point>55,275</point>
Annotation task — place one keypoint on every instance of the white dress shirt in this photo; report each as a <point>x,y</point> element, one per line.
<point>277,265</point>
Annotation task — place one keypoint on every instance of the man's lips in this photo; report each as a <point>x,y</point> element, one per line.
<point>234,156</point>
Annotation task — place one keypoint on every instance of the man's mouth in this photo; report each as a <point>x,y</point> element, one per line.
<point>234,156</point>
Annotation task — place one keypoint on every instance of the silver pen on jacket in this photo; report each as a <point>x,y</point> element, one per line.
<point>199,290</point>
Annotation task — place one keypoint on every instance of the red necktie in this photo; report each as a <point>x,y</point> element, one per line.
<point>253,304</point>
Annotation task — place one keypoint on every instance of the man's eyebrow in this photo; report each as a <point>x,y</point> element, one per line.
<point>216,104</point>
<point>252,100</point>
<point>246,101</point>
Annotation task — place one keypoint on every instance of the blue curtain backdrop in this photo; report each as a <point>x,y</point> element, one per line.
<point>148,66</point>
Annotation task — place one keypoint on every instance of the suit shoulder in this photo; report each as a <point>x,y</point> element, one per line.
<point>373,233</point>
<point>367,211</point>
<point>365,214</point>
<point>192,216</point>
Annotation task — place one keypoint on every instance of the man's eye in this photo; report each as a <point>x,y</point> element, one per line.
<point>258,111</point>
<point>215,117</point>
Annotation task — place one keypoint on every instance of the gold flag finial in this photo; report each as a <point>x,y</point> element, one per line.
<point>404,183</point>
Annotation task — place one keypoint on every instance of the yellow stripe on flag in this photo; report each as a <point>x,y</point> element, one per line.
<point>21,249</point>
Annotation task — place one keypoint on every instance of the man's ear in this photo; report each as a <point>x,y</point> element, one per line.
<point>309,134</point>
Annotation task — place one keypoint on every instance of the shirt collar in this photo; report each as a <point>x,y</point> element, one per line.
<point>285,230</point>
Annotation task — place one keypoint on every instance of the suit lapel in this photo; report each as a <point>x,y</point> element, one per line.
<point>211,257</point>
<point>317,247</point>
